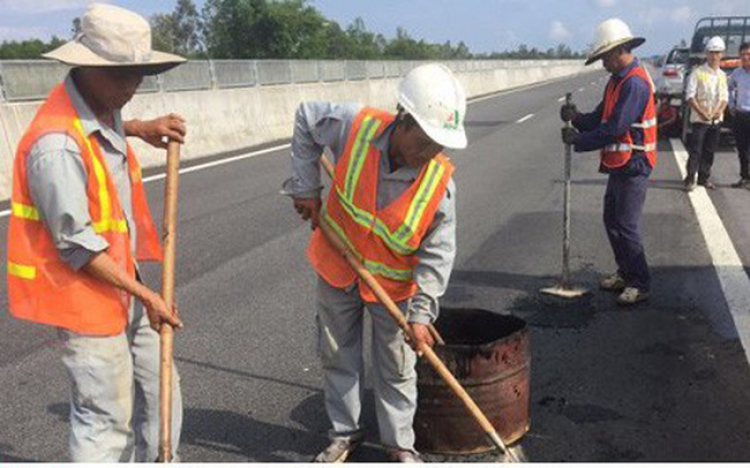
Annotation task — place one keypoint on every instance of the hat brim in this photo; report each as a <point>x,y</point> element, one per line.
<point>75,54</point>
<point>633,42</point>
<point>453,139</point>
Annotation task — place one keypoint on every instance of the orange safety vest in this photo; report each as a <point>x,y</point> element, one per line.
<point>385,240</point>
<point>618,154</point>
<point>41,287</point>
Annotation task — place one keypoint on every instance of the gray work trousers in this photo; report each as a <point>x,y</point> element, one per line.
<point>340,316</point>
<point>114,406</point>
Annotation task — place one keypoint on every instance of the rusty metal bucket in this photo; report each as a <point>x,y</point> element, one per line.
<point>490,355</point>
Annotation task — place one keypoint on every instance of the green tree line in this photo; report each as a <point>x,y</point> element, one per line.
<point>282,29</point>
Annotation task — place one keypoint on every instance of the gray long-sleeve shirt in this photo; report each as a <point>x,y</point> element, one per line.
<point>321,125</point>
<point>57,182</point>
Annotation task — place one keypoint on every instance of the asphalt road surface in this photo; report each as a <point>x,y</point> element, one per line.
<point>664,381</point>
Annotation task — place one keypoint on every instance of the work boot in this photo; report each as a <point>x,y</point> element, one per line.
<point>690,185</point>
<point>708,185</point>
<point>404,456</point>
<point>742,183</point>
<point>632,296</point>
<point>613,282</point>
<point>339,450</point>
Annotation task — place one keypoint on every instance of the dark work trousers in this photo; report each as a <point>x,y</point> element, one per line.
<point>742,139</point>
<point>703,141</point>
<point>623,207</point>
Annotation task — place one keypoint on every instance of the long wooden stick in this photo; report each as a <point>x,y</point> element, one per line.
<point>167,285</point>
<point>328,166</point>
<point>425,350</point>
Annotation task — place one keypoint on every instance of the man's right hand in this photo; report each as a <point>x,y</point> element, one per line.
<point>568,112</point>
<point>158,312</point>
<point>309,208</point>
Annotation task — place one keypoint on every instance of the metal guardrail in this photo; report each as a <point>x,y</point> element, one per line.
<point>30,80</point>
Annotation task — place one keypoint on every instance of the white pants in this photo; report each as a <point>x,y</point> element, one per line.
<point>340,328</point>
<point>114,407</point>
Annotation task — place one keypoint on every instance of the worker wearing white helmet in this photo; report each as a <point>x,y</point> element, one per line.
<point>393,200</point>
<point>623,129</point>
<point>707,94</point>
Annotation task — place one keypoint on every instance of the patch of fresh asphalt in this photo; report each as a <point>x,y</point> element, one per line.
<point>654,383</point>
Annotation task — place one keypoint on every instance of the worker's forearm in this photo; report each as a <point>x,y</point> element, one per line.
<point>103,268</point>
<point>696,107</point>
<point>131,127</point>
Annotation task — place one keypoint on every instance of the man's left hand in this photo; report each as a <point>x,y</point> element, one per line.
<point>422,335</point>
<point>570,135</point>
<point>158,132</point>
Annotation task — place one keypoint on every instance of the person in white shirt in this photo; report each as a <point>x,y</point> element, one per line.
<point>707,94</point>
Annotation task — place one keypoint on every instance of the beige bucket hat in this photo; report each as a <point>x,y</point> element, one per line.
<point>610,34</point>
<point>114,37</point>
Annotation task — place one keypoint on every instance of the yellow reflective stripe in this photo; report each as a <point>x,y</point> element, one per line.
<point>359,154</point>
<point>111,225</point>
<point>19,210</point>
<point>372,266</point>
<point>419,205</point>
<point>105,202</point>
<point>367,220</point>
<point>26,272</point>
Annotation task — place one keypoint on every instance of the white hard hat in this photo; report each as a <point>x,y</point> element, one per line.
<point>436,100</point>
<point>610,34</point>
<point>716,44</point>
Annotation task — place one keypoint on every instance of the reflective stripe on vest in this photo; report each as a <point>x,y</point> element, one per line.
<point>372,266</point>
<point>627,147</point>
<point>26,272</point>
<point>28,212</point>
<point>107,223</point>
<point>646,124</point>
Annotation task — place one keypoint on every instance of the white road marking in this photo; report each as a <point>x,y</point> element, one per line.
<point>580,90</point>
<point>561,99</point>
<point>726,261</point>
<point>524,118</point>
<point>219,162</point>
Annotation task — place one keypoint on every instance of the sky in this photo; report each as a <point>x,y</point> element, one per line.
<point>484,25</point>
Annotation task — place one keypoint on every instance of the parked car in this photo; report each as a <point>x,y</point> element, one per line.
<point>672,79</point>
<point>734,30</point>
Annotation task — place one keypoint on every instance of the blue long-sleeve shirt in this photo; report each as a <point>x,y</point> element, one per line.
<point>634,96</point>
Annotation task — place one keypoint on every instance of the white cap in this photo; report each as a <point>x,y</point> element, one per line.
<point>610,34</point>
<point>437,101</point>
<point>716,44</point>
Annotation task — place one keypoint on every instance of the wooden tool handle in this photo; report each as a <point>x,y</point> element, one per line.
<point>328,166</point>
<point>167,285</point>
<point>426,351</point>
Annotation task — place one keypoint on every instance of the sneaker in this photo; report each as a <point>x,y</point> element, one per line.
<point>632,296</point>
<point>404,456</point>
<point>338,451</point>
<point>690,186</point>
<point>612,282</point>
<point>742,183</point>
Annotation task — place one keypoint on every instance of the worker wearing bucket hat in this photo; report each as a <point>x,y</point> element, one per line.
<point>623,128</point>
<point>80,223</point>
<point>393,201</point>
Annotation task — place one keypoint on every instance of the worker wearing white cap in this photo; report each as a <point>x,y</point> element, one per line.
<point>80,223</point>
<point>707,94</point>
<point>393,200</point>
<point>623,128</point>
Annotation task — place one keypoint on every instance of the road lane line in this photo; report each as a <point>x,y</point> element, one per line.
<point>524,118</point>
<point>220,162</point>
<point>734,281</point>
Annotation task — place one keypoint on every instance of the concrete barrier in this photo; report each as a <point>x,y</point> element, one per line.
<point>238,117</point>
